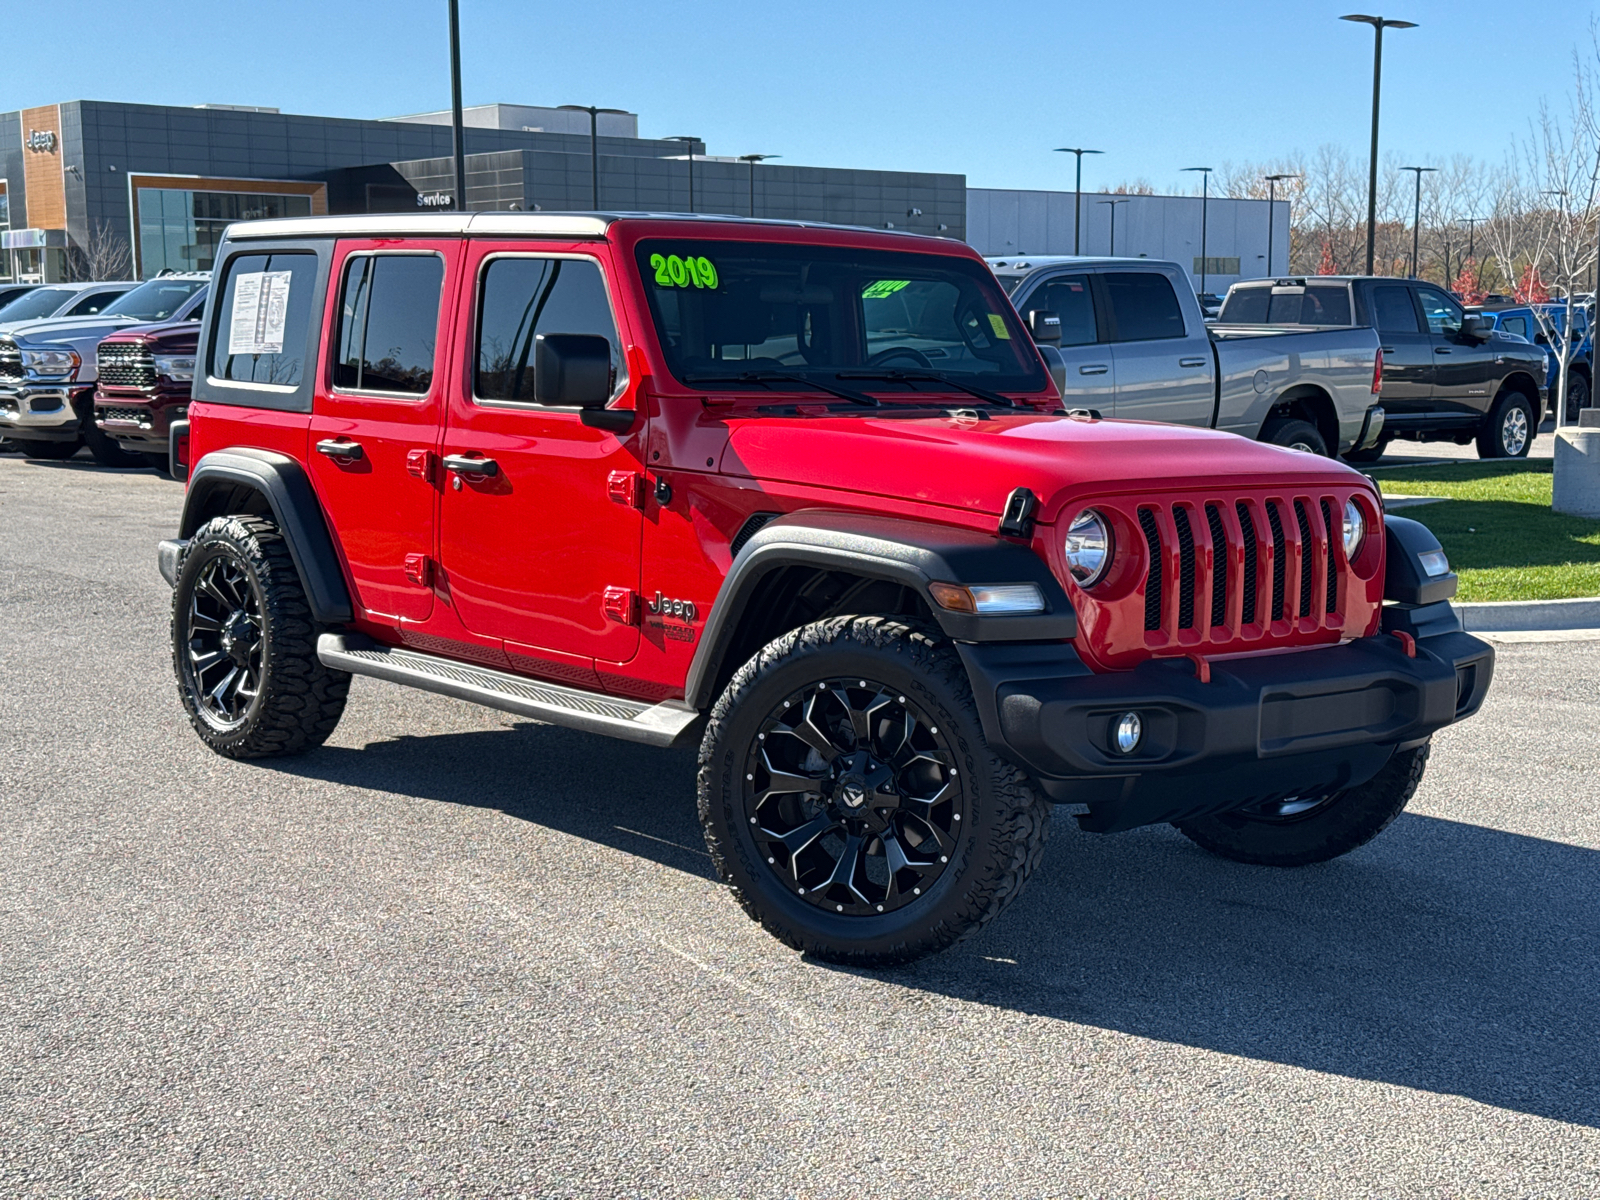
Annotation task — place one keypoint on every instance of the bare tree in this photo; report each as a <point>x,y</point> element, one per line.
<point>1543,228</point>
<point>105,255</point>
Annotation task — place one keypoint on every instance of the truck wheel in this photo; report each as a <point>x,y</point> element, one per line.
<point>1295,434</point>
<point>1370,455</point>
<point>107,451</point>
<point>1304,830</point>
<point>1510,429</point>
<point>244,646</point>
<point>849,798</point>
<point>54,451</point>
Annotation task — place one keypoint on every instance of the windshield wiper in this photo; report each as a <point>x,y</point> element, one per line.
<point>931,377</point>
<point>769,377</point>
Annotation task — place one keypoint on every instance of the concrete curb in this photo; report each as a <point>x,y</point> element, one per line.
<point>1505,616</point>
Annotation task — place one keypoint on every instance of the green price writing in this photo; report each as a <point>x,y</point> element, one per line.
<point>884,288</point>
<point>688,271</point>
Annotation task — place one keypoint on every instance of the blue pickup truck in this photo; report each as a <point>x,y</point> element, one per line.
<point>1521,321</point>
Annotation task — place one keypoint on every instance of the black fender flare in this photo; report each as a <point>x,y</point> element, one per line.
<point>287,490</point>
<point>911,553</point>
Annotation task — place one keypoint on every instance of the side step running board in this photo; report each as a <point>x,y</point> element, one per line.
<point>651,724</point>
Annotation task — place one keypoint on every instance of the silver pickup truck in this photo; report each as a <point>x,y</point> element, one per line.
<point>1125,337</point>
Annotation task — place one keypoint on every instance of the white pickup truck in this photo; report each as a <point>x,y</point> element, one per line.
<point>1125,337</point>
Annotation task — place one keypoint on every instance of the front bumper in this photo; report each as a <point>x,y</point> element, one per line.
<point>139,422</point>
<point>40,411</point>
<point>1371,428</point>
<point>1267,726</point>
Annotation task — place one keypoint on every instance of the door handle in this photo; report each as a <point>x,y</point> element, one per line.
<point>1191,362</point>
<point>341,451</point>
<point>1093,369</point>
<point>1441,349</point>
<point>462,465</point>
<point>1388,349</point>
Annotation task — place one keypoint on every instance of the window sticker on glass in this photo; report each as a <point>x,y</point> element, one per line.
<point>884,288</point>
<point>683,271</point>
<point>260,311</point>
<point>998,324</point>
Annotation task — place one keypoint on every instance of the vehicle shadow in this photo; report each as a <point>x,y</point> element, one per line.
<point>1444,956</point>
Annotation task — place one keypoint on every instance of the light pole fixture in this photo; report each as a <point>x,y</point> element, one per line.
<point>753,159</point>
<point>1077,189</point>
<point>1379,24</point>
<point>689,144</point>
<point>594,144</point>
<point>458,137</point>
<point>1205,188</point>
<point>1113,204</point>
<point>1416,217</point>
<point>1272,208</point>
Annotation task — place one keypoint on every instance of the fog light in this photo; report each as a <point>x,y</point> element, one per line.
<point>1129,730</point>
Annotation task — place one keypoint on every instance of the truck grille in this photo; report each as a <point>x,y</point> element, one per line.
<point>126,365</point>
<point>1231,573</point>
<point>10,360</point>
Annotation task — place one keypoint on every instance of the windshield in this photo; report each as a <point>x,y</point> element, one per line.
<point>156,300</point>
<point>731,308</point>
<point>41,302</point>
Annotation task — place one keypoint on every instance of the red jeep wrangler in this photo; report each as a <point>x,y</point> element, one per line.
<point>815,486</point>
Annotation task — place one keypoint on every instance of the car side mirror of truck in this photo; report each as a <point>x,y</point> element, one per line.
<point>1045,326</point>
<point>1540,339</point>
<point>1476,329</point>
<point>573,370</point>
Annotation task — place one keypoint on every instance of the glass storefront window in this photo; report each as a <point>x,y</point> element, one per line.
<point>180,230</point>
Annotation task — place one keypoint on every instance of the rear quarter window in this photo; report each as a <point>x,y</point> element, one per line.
<point>1246,306</point>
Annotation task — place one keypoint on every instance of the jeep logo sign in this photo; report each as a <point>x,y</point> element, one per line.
<point>41,141</point>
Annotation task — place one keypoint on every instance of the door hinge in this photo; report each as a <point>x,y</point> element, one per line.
<point>626,487</point>
<point>621,605</point>
<point>419,569</point>
<point>420,463</point>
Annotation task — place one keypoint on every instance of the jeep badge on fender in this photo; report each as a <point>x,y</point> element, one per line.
<point>938,603</point>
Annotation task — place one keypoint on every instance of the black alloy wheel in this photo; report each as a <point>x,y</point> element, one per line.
<point>1578,397</point>
<point>225,642</point>
<point>853,796</point>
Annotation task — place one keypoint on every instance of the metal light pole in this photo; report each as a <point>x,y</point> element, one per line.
<point>689,144</point>
<point>753,159</point>
<point>1416,216</point>
<point>1205,187</point>
<point>594,144</point>
<point>1077,189</point>
<point>458,149</point>
<point>1113,204</point>
<point>1272,208</point>
<point>1379,24</point>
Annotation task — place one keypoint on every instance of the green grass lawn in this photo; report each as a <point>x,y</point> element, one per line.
<point>1498,529</point>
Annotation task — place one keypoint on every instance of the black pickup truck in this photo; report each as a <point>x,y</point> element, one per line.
<point>1447,375</point>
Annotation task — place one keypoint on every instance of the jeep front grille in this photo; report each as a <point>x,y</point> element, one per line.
<point>126,365</point>
<point>10,360</point>
<point>1208,567</point>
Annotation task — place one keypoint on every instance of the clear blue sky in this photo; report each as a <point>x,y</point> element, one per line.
<point>981,88</point>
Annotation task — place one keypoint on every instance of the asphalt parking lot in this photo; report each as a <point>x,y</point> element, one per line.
<point>455,953</point>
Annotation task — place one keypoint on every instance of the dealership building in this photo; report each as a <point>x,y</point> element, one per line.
<point>102,190</point>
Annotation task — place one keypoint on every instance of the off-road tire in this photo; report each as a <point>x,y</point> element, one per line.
<point>1492,435</point>
<point>299,701</point>
<point>1296,434</point>
<point>1578,398</point>
<point>996,851</point>
<point>1351,819</point>
<point>52,451</point>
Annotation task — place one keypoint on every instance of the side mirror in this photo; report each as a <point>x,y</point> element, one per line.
<point>571,370</point>
<point>1045,326</point>
<point>1056,365</point>
<point>1476,328</point>
<point>1541,339</point>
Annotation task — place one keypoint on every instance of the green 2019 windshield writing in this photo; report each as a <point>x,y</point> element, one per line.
<point>884,288</point>
<point>688,271</point>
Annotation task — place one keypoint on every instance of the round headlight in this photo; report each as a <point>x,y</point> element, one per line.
<point>1088,547</point>
<point>1355,530</point>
